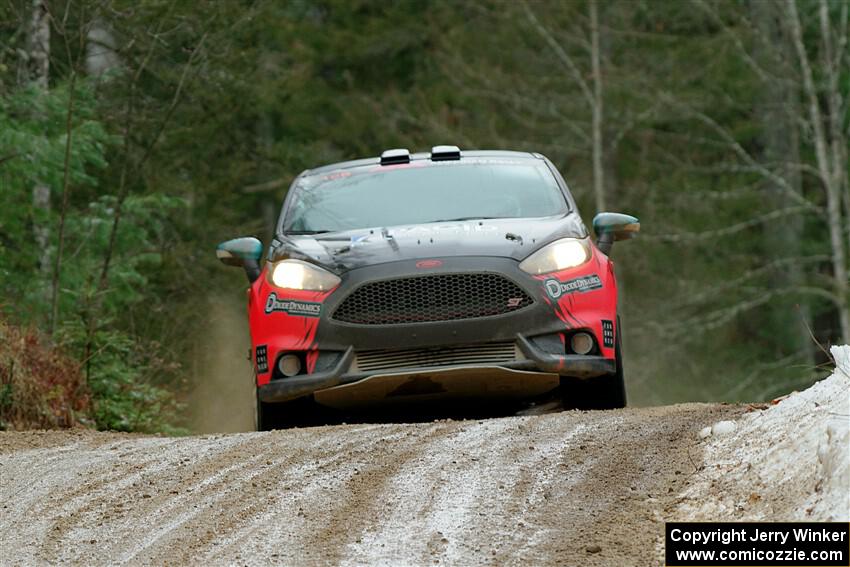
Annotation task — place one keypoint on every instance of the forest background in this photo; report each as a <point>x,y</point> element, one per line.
<point>135,135</point>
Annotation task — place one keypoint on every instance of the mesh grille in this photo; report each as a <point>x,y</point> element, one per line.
<point>438,297</point>
<point>493,353</point>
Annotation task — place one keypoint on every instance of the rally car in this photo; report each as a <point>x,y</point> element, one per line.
<point>429,275</point>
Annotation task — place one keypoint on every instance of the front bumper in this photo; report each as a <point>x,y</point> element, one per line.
<point>536,360</point>
<point>544,318</point>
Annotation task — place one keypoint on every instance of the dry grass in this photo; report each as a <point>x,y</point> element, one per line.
<point>40,387</point>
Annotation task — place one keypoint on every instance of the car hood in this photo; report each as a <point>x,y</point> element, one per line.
<point>347,250</point>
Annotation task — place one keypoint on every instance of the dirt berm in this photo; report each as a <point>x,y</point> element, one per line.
<point>570,488</point>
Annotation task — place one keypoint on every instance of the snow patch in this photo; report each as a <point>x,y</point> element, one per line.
<point>722,428</point>
<point>788,462</point>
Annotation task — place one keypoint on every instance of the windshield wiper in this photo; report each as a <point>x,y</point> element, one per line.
<point>302,232</point>
<point>467,218</point>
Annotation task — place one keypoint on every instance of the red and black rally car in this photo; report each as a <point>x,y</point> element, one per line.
<point>441,274</point>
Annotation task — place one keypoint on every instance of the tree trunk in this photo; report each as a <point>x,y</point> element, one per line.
<point>597,109</point>
<point>36,67</point>
<point>835,105</point>
<point>778,111</point>
<point>268,207</point>
<point>100,50</point>
<point>826,169</point>
<point>35,71</point>
<point>63,212</point>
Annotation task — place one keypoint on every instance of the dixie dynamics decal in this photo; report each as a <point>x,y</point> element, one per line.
<point>556,289</point>
<point>292,306</point>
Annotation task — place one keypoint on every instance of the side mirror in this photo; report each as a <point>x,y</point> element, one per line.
<point>610,227</point>
<point>245,252</point>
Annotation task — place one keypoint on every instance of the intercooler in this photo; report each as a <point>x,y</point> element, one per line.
<point>484,354</point>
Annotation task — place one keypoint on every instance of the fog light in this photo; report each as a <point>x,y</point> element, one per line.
<point>582,343</point>
<point>289,365</point>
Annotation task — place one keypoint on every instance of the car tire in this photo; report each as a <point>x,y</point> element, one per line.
<point>284,415</point>
<point>602,392</point>
<point>269,416</point>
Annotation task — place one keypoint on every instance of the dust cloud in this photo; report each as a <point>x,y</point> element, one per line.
<point>222,393</point>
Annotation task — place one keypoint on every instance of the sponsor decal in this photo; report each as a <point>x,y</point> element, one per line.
<point>424,264</point>
<point>336,175</point>
<point>608,333</point>
<point>556,288</point>
<point>293,306</point>
<point>262,359</point>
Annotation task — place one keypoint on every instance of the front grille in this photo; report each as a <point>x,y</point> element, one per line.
<point>438,297</point>
<point>493,353</point>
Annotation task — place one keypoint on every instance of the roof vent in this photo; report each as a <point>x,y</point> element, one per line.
<point>392,157</point>
<point>445,153</point>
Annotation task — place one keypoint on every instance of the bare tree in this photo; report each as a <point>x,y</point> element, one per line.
<point>592,93</point>
<point>777,109</point>
<point>825,124</point>
<point>596,108</point>
<point>129,167</point>
<point>800,105</point>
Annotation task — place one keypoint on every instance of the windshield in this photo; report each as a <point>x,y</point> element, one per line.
<point>423,192</point>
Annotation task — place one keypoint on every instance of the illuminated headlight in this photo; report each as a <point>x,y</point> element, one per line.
<point>560,255</point>
<point>295,274</point>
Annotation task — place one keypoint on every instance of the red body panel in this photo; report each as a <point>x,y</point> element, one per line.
<point>587,309</point>
<point>280,330</point>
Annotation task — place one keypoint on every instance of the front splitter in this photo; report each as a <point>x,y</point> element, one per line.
<point>491,382</point>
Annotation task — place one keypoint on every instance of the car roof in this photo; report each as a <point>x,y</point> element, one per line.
<point>423,156</point>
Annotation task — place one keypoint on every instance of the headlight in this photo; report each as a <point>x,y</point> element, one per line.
<point>295,274</point>
<point>560,255</point>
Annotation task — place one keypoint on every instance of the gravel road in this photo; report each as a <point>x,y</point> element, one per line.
<point>589,488</point>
